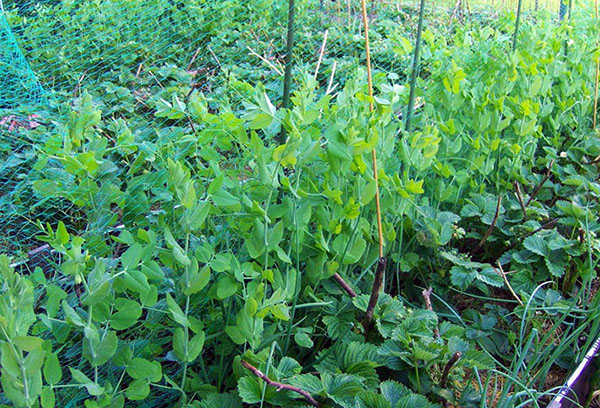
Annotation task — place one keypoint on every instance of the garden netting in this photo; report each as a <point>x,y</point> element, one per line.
<point>136,72</point>
<point>123,50</point>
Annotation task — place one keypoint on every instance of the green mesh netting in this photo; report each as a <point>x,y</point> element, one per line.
<point>133,57</point>
<point>18,83</point>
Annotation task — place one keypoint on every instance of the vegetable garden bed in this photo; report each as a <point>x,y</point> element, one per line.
<point>193,260</point>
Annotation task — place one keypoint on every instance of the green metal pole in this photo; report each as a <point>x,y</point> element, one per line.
<point>415,68</point>
<point>514,47</point>
<point>287,80</point>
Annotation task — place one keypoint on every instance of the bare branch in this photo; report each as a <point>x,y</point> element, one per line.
<point>455,357</point>
<point>427,296</point>
<point>490,229</point>
<point>503,274</point>
<point>377,284</point>
<point>520,198</point>
<point>280,386</point>
<point>539,186</point>
<point>338,278</point>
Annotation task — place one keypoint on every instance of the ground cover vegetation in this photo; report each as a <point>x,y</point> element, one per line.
<point>198,262</point>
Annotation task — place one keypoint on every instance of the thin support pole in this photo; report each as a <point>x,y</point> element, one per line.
<point>371,108</point>
<point>380,272</point>
<point>597,74</point>
<point>289,60</point>
<point>517,23</point>
<point>415,68</point>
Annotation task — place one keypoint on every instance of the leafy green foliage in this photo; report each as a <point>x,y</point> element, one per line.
<point>194,241</point>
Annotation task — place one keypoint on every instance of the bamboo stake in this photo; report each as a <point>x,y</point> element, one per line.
<point>380,272</point>
<point>415,67</point>
<point>517,23</point>
<point>287,81</point>
<point>597,74</point>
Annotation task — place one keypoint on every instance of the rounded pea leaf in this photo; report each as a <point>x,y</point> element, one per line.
<point>52,370</point>
<point>138,390</point>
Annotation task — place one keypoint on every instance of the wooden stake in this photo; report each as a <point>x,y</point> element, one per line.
<point>597,75</point>
<point>415,67</point>
<point>380,272</point>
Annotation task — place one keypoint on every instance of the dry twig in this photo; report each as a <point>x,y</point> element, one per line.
<point>490,229</point>
<point>455,357</point>
<point>539,186</point>
<point>279,385</point>
<point>427,296</point>
<point>266,61</point>
<point>520,198</point>
<point>503,274</point>
<point>338,278</point>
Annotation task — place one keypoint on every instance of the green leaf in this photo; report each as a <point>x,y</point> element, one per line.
<point>461,277</point>
<point>303,340</point>
<point>92,388</point>
<point>393,391</point>
<point>198,281</point>
<point>176,312</point>
<point>289,367</point>
<point>536,244</point>
<point>62,234</point>
<point>250,390</point>
<point>129,311</point>
<point>72,315</point>
<point>131,258</point>
<point>227,286</point>
<point>28,343</point>
<point>307,382</point>
<point>52,370</point>
<point>47,397</point>
<point>106,348</point>
<point>490,276</point>
<point>136,281</point>
<point>178,252</point>
<point>214,400</point>
<point>195,347</point>
<point>179,344</point>
<point>414,401</point>
<point>138,390</point>
<point>141,369</point>
<point>341,388</point>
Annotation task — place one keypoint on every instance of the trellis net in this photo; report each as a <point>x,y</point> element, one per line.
<point>141,61</point>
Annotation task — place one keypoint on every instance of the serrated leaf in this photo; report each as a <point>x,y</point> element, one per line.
<point>536,244</point>
<point>490,277</point>
<point>250,390</point>
<point>393,391</point>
